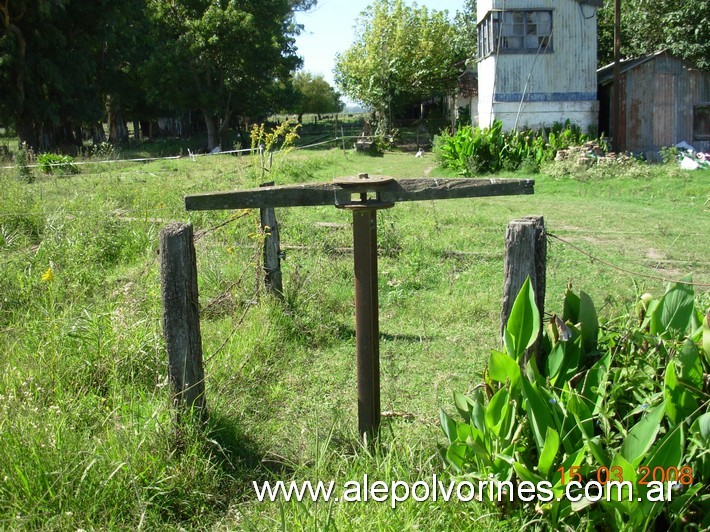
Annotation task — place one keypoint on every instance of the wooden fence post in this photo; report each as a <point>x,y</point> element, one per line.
<point>181,317</point>
<point>525,255</point>
<point>272,249</point>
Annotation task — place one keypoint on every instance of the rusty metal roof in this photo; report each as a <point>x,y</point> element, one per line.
<point>605,75</point>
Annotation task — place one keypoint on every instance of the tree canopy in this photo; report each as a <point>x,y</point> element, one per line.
<point>402,54</point>
<point>648,26</point>
<point>67,64</point>
<point>313,94</point>
<point>224,57</point>
<point>58,60</point>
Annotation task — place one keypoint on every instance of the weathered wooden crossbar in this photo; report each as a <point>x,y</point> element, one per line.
<point>364,195</point>
<point>313,194</point>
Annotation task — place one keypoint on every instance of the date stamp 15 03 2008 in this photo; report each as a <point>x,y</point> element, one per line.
<point>644,475</point>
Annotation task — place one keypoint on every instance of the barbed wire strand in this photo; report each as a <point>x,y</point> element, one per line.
<point>625,270</point>
<point>236,216</point>
<point>189,155</point>
<point>248,306</point>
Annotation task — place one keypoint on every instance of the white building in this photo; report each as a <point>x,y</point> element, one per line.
<point>537,63</point>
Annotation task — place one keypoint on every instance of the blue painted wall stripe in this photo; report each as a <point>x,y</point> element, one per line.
<point>545,96</point>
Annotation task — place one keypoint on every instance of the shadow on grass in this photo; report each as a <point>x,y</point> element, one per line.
<point>240,455</point>
<point>346,332</point>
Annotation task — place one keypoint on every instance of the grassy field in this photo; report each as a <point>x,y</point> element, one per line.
<point>86,433</point>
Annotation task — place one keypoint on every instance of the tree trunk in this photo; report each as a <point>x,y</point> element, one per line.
<point>224,129</point>
<point>117,127</point>
<point>24,124</point>
<point>211,122</point>
<point>136,130</point>
<point>26,131</point>
<point>98,135</point>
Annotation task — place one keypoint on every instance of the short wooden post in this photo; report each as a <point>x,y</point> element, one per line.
<point>181,317</point>
<point>272,249</point>
<point>525,255</point>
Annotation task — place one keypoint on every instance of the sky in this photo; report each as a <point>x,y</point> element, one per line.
<point>328,29</point>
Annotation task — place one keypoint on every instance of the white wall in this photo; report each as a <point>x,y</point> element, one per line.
<point>556,86</point>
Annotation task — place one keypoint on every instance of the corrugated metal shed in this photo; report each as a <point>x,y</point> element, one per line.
<point>662,98</point>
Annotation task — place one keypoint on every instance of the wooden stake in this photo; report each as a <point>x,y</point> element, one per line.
<point>181,318</point>
<point>272,250</point>
<point>525,255</point>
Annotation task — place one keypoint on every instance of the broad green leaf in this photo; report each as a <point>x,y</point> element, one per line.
<point>642,435</point>
<point>572,460</point>
<point>595,382</point>
<point>701,427</point>
<point>478,412</point>
<point>680,403</point>
<point>464,433</point>
<point>502,368</point>
<point>525,474</point>
<point>691,365</point>
<point>706,335</point>
<point>668,452</point>
<point>448,425</point>
<point>620,468</point>
<point>549,452</point>
<point>589,323</point>
<point>497,411</point>
<point>555,360</point>
<point>673,317</point>
<point>464,405</point>
<point>583,416</point>
<point>538,412</point>
<point>523,324</point>
<point>570,311</point>
<point>652,313</point>
<point>456,455</point>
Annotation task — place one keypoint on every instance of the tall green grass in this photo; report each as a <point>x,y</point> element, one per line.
<point>86,436</point>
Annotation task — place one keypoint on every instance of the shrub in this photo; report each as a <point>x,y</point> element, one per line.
<point>24,159</point>
<point>626,400</point>
<point>477,150</point>
<point>49,162</point>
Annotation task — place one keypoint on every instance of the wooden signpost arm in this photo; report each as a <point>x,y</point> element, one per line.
<point>313,194</point>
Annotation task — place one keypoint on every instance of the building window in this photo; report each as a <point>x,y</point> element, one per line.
<point>516,31</point>
<point>701,122</point>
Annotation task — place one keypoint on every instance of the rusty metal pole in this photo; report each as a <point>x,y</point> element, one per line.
<point>367,321</point>
<point>362,195</point>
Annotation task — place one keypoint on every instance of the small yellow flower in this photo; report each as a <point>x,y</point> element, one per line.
<point>48,276</point>
<point>230,250</point>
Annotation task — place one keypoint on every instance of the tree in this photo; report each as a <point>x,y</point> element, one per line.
<point>680,26</point>
<point>58,58</point>
<point>402,55</point>
<point>313,94</point>
<point>466,39</point>
<point>224,57</point>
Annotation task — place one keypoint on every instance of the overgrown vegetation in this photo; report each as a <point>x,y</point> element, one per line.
<point>624,400</point>
<point>88,439</point>
<point>51,162</point>
<point>475,150</point>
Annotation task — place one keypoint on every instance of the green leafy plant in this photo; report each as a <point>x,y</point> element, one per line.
<point>595,404</point>
<point>24,157</point>
<point>472,151</point>
<point>51,162</point>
